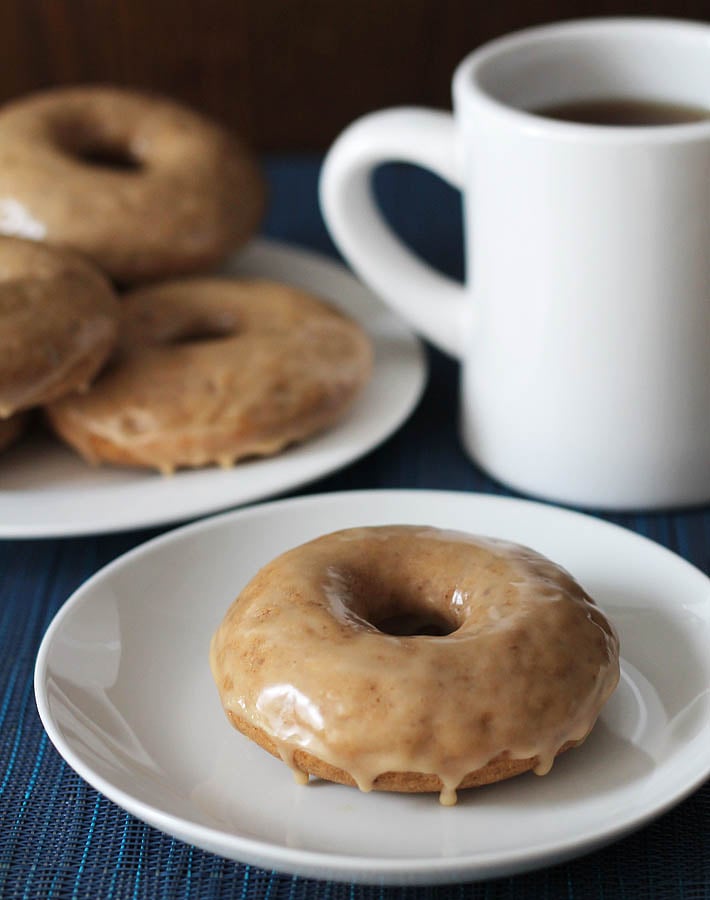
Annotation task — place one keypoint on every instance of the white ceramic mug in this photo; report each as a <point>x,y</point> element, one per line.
<point>584,326</point>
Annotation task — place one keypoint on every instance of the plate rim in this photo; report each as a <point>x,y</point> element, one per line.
<point>337,866</point>
<point>151,518</point>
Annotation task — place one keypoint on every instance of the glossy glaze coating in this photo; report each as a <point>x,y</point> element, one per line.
<point>211,370</point>
<point>302,666</point>
<point>145,187</point>
<point>58,323</point>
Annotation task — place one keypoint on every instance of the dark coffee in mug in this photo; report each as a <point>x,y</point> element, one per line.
<point>624,111</point>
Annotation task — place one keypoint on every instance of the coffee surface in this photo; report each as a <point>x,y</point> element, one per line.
<point>624,111</point>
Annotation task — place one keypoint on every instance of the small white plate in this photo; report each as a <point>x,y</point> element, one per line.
<point>46,490</point>
<point>124,690</point>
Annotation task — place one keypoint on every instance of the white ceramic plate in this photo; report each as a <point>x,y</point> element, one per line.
<point>124,690</point>
<point>46,490</point>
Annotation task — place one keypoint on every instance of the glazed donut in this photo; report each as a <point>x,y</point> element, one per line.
<point>214,370</point>
<point>58,323</point>
<point>143,186</point>
<point>408,658</point>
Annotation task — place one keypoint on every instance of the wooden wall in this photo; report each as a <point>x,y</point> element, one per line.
<point>289,75</point>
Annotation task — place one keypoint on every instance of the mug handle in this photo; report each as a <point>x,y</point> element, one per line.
<point>433,303</point>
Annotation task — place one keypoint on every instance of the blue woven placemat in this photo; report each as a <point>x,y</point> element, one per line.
<point>61,839</point>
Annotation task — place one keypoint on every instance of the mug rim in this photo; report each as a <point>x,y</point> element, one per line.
<point>467,87</point>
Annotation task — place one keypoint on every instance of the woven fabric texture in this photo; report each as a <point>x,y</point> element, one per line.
<point>61,839</point>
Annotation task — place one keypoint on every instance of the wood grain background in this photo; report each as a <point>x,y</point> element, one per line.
<point>287,75</point>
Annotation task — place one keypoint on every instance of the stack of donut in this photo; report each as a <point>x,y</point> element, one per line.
<point>112,204</point>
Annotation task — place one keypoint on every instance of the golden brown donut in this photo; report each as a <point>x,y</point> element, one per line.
<point>214,370</point>
<point>143,186</point>
<point>409,658</point>
<point>58,323</point>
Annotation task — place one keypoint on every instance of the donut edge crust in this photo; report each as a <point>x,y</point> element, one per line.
<point>96,449</point>
<point>498,769</point>
<point>78,378</point>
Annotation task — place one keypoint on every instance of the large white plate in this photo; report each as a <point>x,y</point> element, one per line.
<point>124,690</point>
<point>47,491</point>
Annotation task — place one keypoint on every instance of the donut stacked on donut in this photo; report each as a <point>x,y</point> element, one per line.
<point>407,658</point>
<point>58,324</point>
<point>215,370</point>
<point>204,370</point>
<point>141,185</point>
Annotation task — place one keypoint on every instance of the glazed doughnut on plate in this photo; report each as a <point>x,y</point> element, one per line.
<point>143,186</point>
<point>412,659</point>
<point>212,370</point>
<point>58,323</point>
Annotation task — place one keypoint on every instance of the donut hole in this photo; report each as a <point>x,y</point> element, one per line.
<point>409,623</point>
<point>87,142</point>
<point>107,156</point>
<point>201,329</point>
<point>400,609</point>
